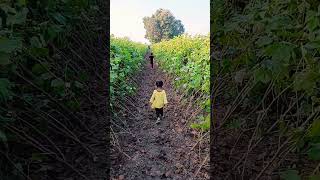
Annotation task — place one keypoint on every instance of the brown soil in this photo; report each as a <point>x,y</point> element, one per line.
<point>145,150</point>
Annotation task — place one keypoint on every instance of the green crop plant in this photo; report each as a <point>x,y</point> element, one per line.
<point>48,53</point>
<point>268,58</point>
<point>126,58</point>
<point>187,58</point>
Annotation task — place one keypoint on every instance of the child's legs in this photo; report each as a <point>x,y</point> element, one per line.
<point>158,112</point>
<point>161,112</point>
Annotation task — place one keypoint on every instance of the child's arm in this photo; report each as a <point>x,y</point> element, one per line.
<point>165,101</point>
<point>152,98</point>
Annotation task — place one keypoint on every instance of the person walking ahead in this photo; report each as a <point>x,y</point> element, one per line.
<point>151,57</point>
<point>158,100</point>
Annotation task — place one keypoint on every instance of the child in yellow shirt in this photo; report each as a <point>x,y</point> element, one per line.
<point>158,100</point>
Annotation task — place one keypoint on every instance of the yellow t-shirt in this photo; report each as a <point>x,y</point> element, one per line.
<point>158,99</point>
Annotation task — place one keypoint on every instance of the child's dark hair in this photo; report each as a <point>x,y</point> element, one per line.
<point>159,84</point>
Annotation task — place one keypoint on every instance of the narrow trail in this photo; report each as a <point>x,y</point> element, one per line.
<point>147,150</point>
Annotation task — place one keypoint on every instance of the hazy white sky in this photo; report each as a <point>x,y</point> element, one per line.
<point>126,16</point>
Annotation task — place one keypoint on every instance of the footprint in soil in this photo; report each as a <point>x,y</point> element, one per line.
<point>162,155</point>
<point>160,131</point>
<point>160,139</point>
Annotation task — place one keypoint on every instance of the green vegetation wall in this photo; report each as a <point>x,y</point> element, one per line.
<point>52,73</point>
<point>187,59</point>
<point>126,58</point>
<point>267,56</point>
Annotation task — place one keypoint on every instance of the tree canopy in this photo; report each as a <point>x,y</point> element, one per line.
<point>162,25</point>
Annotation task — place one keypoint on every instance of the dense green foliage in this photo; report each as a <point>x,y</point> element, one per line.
<point>187,59</point>
<point>126,58</point>
<point>267,54</point>
<point>162,25</point>
<point>44,80</point>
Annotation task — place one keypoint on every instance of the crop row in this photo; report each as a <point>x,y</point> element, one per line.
<point>126,58</point>
<point>187,58</point>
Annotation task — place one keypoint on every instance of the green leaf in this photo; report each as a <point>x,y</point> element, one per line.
<point>313,45</point>
<point>4,58</point>
<point>195,126</point>
<point>278,70</point>
<point>310,14</point>
<point>83,76</point>
<point>78,85</point>
<point>290,175</point>
<point>208,102</point>
<point>306,80</point>
<point>37,157</point>
<point>73,105</point>
<point>204,126</point>
<point>240,75</point>
<point>5,119</point>
<point>312,23</point>
<point>40,68</point>
<point>52,32</point>
<point>35,42</point>
<point>279,22</point>
<point>57,83</point>
<point>60,18</point>
<point>235,124</point>
<point>39,52</point>
<point>303,6</point>
<point>280,51</point>
<point>58,87</point>
<point>3,137</point>
<point>19,18</point>
<point>262,75</point>
<point>262,41</point>
<point>21,2</point>
<point>8,45</point>
<point>315,128</point>
<point>314,177</point>
<point>226,64</point>
<point>45,168</point>
<point>46,76</point>
<point>314,152</point>
<point>5,90</point>
<point>7,9</point>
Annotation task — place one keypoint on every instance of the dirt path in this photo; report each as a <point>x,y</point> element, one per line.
<point>147,150</point>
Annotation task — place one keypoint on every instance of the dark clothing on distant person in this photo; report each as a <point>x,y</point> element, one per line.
<point>151,60</point>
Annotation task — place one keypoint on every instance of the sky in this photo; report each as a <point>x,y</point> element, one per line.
<point>126,16</point>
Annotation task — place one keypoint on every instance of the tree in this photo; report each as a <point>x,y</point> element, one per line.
<point>162,25</point>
